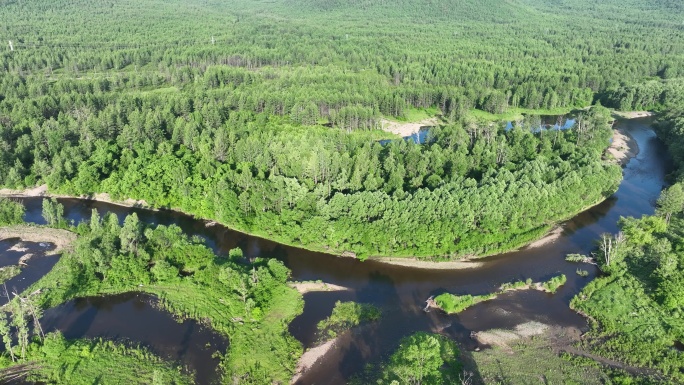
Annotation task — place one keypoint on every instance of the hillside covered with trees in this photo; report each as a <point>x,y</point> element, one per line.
<point>265,115</point>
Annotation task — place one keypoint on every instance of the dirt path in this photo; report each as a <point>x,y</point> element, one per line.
<point>562,339</point>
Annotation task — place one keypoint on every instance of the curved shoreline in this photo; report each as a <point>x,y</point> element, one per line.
<point>626,148</point>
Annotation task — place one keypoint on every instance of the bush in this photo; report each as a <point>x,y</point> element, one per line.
<point>11,212</point>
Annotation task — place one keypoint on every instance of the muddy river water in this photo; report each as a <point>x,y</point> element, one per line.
<point>399,291</point>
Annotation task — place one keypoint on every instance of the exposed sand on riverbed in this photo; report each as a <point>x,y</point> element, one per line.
<point>31,192</point>
<point>418,264</point>
<point>623,148</point>
<point>502,337</point>
<point>62,239</point>
<point>407,129</point>
<point>42,191</point>
<point>551,237</point>
<point>632,114</point>
<point>310,357</point>
<point>306,287</point>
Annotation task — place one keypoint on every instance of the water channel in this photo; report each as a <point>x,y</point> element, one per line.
<point>399,291</point>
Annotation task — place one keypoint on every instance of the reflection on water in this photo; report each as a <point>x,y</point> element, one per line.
<point>135,318</point>
<point>401,292</point>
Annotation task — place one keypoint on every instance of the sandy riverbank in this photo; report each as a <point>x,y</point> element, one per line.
<point>310,357</point>
<point>418,264</point>
<point>623,148</point>
<point>42,191</point>
<point>551,237</point>
<point>306,287</point>
<point>62,239</point>
<point>632,114</point>
<point>406,129</point>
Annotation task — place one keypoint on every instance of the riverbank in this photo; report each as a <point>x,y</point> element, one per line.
<point>310,357</point>
<point>407,129</point>
<point>622,147</point>
<point>307,287</point>
<point>62,239</point>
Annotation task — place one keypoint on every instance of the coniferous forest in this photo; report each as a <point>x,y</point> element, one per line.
<point>271,117</point>
<point>265,115</point>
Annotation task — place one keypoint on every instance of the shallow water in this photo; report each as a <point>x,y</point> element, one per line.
<point>135,318</point>
<point>401,291</point>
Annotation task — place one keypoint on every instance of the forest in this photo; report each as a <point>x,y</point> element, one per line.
<point>268,122</point>
<point>268,116</point>
<point>248,303</point>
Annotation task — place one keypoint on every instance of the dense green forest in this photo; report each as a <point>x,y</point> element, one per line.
<point>249,303</point>
<point>636,307</point>
<point>266,118</point>
<point>421,358</point>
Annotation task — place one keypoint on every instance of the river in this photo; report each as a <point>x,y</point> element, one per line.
<point>399,291</point>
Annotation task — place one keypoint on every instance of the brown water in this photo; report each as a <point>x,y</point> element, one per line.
<point>401,291</point>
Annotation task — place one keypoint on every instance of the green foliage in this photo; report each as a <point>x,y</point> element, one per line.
<point>60,361</point>
<point>232,131</point>
<point>457,303</point>
<point>517,285</point>
<point>346,315</point>
<point>554,283</point>
<point>421,358</point>
<point>250,304</point>
<point>9,272</point>
<point>582,273</point>
<point>53,212</point>
<point>527,360</point>
<point>11,212</point>
<point>638,308</point>
<point>576,258</point>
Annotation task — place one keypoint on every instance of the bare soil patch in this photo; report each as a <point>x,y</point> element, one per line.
<point>623,148</point>
<point>62,239</point>
<point>406,129</point>
<point>418,264</point>
<point>310,357</point>
<point>503,338</point>
<point>305,287</point>
<point>633,114</point>
<point>551,237</point>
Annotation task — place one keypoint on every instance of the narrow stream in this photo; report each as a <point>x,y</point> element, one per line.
<point>399,291</point>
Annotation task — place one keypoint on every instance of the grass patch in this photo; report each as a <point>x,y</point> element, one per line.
<point>346,315</point>
<point>513,114</point>
<point>533,361</point>
<point>635,307</point>
<point>85,362</point>
<point>413,114</point>
<point>554,283</point>
<point>453,304</point>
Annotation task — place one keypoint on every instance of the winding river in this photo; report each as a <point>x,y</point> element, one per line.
<point>399,291</point>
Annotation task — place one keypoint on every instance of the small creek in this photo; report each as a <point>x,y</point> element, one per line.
<point>399,291</point>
